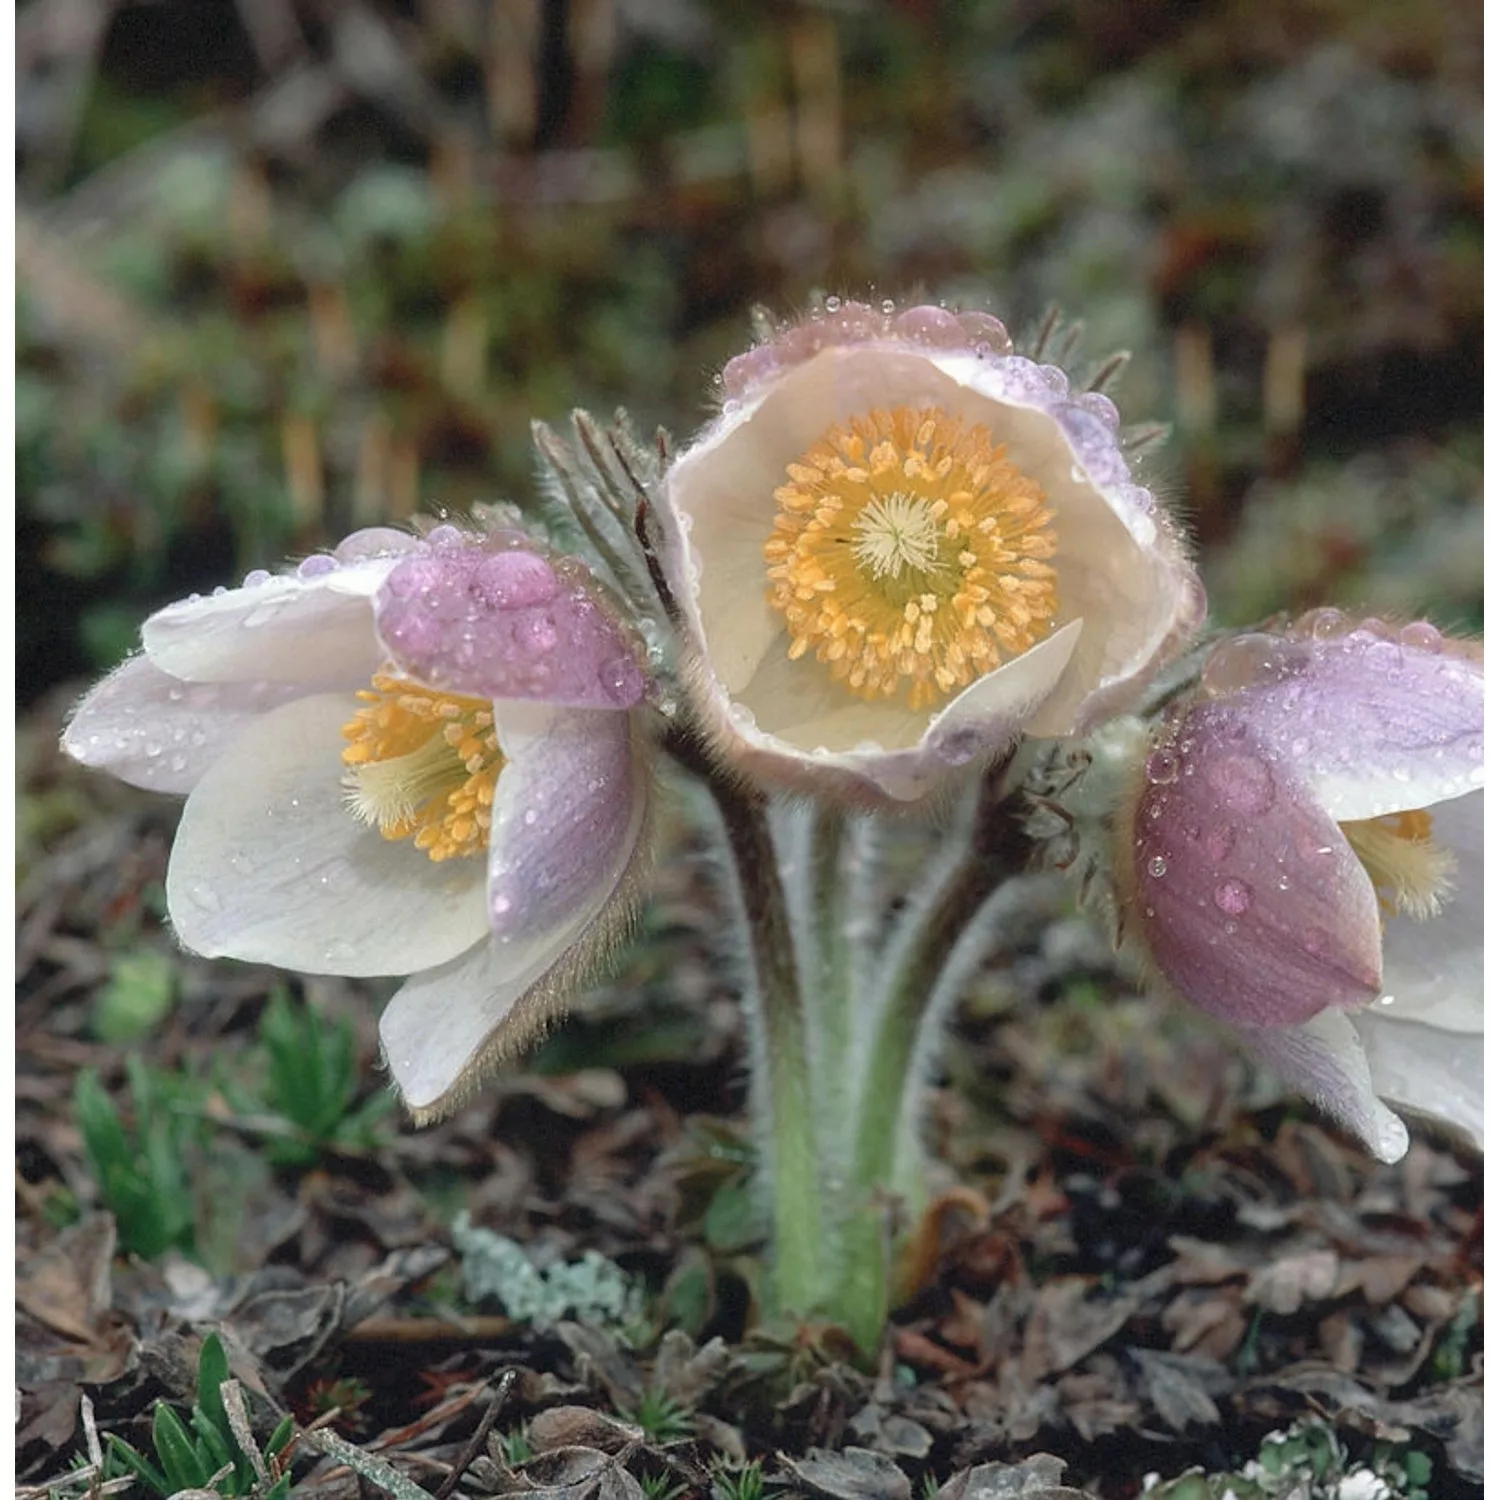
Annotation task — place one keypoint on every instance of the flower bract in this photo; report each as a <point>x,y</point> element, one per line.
<point>413,756</point>
<point>901,545</point>
<point>1301,856</point>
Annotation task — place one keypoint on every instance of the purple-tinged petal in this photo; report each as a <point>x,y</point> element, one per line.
<point>270,866</point>
<point>498,621</point>
<point>1249,899</point>
<point>317,632</point>
<point>568,814</point>
<point>1426,1068</point>
<point>1325,1060</point>
<point>1377,721</point>
<point>566,838</point>
<point>153,731</point>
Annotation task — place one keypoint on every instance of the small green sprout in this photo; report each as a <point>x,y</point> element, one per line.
<point>660,1418</point>
<point>141,1172</point>
<point>213,1449</point>
<point>739,1481</point>
<point>311,1082</point>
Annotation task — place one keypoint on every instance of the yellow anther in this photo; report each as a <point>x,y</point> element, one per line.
<point>908,555</point>
<point>423,765</point>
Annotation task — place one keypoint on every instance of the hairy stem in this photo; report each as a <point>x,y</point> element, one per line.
<point>782,1089</point>
<point>937,928</point>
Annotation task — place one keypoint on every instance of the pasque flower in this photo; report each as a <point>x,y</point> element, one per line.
<point>1299,854</point>
<point>412,756</point>
<point>901,545</point>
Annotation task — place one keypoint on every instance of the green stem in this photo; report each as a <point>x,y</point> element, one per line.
<point>885,1101</point>
<point>781,1080</point>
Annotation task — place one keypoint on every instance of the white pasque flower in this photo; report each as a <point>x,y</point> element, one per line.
<point>412,757</point>
<point>1300,853</point>
<point>902,545</point>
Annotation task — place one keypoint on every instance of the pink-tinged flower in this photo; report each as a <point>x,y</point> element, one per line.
<point>412,756</point>
<point>1300,855</point>
<point>901,545</point>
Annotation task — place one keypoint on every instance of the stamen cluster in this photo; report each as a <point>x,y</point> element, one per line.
<point>909,554</point>
<point>423,766</point>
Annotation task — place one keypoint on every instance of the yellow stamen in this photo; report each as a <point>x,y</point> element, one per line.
<point>423,766</point>
<point>1410,873</point>
<point>909,553</point>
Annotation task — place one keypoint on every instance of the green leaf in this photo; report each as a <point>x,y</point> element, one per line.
<point>213,1371</point>
<point>180,1458</point>
<point>138,1464</point>
<point>138,996</point>
<point>733,1220</point>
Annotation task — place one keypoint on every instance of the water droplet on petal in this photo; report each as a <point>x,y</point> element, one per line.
<point>1162,766</point>
<point>1221,841</point>
<point>1245,783</point>
<point>1156,866</point>
<point>1232,897</point>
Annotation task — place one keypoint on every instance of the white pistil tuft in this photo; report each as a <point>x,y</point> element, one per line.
<point>1410,872</point>
<point>895,532</point>
<point>389,793</point>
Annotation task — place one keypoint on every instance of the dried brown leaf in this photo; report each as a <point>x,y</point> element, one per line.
<point>66,1284</point>
<point>1291,1280</point>
<point>854,1474</point>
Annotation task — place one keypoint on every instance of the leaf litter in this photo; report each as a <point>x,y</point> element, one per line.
<point>1152,1261</point>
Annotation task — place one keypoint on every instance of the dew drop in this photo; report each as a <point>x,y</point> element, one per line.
<point>1156,866</point>
<point>887,306</point>
<point>317,566</point>
<point>1244,782</point>
<point>833,303</point>
<point>1422,636</point>
<point>255,577</point>
<point>205,897</point>
<point>1232,897</point>
<point>1162,766</point>
<point>1221,841</point>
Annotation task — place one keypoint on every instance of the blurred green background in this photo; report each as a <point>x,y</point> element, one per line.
<point>290,266</point>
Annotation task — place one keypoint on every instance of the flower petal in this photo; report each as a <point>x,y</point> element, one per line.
<point>493,619</point>
<point>270,866</point>
<point>803,716</point>
<point>567,833</point>
<point>154,731</point>
<point>315,629</point>
<point>1325,1060</point>
<point>1426,1068</point>
<point>1248,897</point>
<point>1378,721</point>
<point>569,813</point>
<point>448,1026</point>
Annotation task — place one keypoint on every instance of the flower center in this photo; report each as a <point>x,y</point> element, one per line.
<point>1411,873</point>
<point>423,765</point>
<point>908,553</point>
